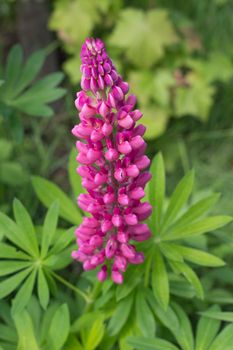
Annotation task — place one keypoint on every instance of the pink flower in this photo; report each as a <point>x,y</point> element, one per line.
<point>113,168</point>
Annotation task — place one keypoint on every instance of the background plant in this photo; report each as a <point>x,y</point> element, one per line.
<point>184,86</point>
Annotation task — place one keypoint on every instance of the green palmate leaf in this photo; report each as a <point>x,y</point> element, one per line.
<point>178,199</point>
<point>197,228</point>
<point>224,340</point>
<point>196,211</point>
<point>226,316</point>
<point>196,99</point>
<point>24,221</point>
<point>8,285</point>
<point>48,192</point>
<point>170,252</point>
<point>153,31</point>
<point>141,343</point>
<point>198,256</point>
<point>95,335</point>
<point>59,329</point>
<point>120,315</point>
<point>182,288</point>
<point>9,252</point>
<point>43,289</point>
<point>206,330</point>
<point>190,275</point>
<point>157,190</point>
<point>132,279</point>
<point>24,294</point>
<point>12,232</point>
<point>13,69</point>
<point>160,283</point>
<point>25,330</point>
<point>30,70</point>
<point>144,316</point>
<point>184,336</point>
<point>49,228</point>
<point>7,267</point>
<point>75,179</point>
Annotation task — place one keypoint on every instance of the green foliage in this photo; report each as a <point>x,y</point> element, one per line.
<point>167,65</point>
<point>27,259</point>
<point>176,222</point>
<point>16,91</point>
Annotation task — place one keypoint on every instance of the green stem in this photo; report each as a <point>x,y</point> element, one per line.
<point>72,287</point>
<point>93,296</point>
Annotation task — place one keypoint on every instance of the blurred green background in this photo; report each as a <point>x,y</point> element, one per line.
<point>176,55</point>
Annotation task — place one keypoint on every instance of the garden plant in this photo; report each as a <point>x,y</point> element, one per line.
<point>113,231</point>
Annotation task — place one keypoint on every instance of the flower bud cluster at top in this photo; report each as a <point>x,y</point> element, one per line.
<point>113,168</point>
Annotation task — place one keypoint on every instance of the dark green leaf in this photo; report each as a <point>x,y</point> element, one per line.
<point>144,316</point>
<point>59,328</point>
<point>206,330</point>
<point>141,343</point>
<point>24,294</point>
<point>178,199</point>
<point>49,228</point>
<point>43,289</point>
<point>120,315</point>
<point>160,283</point>
<point>24,221</point>
<point>48,192</point>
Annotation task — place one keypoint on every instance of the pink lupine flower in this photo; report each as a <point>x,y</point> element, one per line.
<point>113,168</point>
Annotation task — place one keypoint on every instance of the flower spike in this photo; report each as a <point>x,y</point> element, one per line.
<point>113,168</point>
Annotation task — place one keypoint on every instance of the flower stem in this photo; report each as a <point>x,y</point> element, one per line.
<point>72,287</point>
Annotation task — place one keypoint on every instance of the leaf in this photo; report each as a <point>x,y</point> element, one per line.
<point>157,189</point>
<point>224,339</point>
<point>197,228</point>
<point>178,199</point>
<point>132,279</point>
<point>24,294</point>
<point>191,276</point>
<point>196,99</point>
<point>95,335</point>
<point>43,289</point>
<point>74,178</point>
<point>13,69</point>
<point>25,330</point>
<point>170,252</point>
<point>168,317</point>
<point>84,321</point>
<point>196,210</point>
<point>59,328</point>
<point>12,232</point>
<point>155,119</point>
<point>206,330</point>
<point>160,283</point>
<point>120,315</point>
<point>7,267</point>
<point>12,173</point>
<point>198,257</point>
<point>226,316</point>
<point>9,252</point>
<point>144,316</point>
<point>48,192</point>
<point>30,70</point>
<point>141,343</point>
<point>49,228</point>
<point>185,335</point>
<point>24,221</point>
<point>153,31</point>
<point>63,240</point>
<point>7,286</point>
